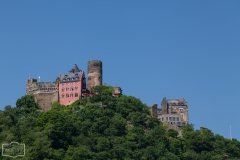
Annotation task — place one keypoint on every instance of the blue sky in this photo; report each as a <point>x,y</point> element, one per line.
<point>151,49</point>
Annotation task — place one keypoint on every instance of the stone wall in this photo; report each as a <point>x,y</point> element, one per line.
<point>153,111</point>
<point>94,73</point>
<point>45,100</point>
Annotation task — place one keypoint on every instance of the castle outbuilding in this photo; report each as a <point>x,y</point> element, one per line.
<point>173,112</point>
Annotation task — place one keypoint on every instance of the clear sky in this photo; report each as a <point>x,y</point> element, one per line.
<point>151,49</point>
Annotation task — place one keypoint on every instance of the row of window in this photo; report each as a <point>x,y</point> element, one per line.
<point>72,83</point>
<point>178,123</point>
<point>69,95</point>
<point>171,119</point>
<point>69,89</point>
<point>175,110</point>
<point>72,79</point>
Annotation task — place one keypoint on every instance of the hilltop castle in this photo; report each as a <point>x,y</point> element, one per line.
<point>68,87</point>
<point>72,86</point>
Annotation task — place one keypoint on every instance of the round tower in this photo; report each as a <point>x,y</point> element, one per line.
<point>94,73</point>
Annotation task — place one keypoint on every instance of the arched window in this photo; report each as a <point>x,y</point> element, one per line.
<point>71,95</point>
<point>71,89</point>
<point>67,89</point>
<point>67,95</point>
<point>63,96</point>
<point>76,88</point>
<point>76,94</point>
<point>63,89</point>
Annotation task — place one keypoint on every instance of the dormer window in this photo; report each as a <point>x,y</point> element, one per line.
<point>72,78</point>
<point>76,75</point>
<point>68,79</point>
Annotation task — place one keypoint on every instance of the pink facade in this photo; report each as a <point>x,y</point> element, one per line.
<point>70,91</point>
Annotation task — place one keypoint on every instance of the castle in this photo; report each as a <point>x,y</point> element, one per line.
<point>68,87</point>
<point>72,86</point>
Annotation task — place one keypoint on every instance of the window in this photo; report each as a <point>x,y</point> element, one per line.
<point>71,95</point>
<point>177,118</point>
<point>76,88</point>
<point>67,95</point>
<point>173,118</point>
<point>181,115</point>
<point>166,118</point>
<point>63,96</point>
<point>63,89</point>
<point>183,124</point>
<point>76,94</point>
<point>181,110</point>
<point>178,123</point>
<point>162,119</point>
<point>72,78</point>
<point>170,118</point>
<point>71,89</point>
<point>67,89</point>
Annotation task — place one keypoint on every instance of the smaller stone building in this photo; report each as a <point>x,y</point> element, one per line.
<point>173,113</point>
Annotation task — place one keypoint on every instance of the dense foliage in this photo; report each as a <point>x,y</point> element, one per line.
<point>103,127</point>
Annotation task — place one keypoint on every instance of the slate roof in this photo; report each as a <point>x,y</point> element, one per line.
<point>73,75</point>
<point>174,101</point>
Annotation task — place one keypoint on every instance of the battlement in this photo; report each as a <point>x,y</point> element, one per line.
<point>34,87</point>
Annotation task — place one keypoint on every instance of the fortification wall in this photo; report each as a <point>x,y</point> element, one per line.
<point>45,100</point>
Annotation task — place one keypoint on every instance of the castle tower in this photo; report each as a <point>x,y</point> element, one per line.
<point>94,73</point>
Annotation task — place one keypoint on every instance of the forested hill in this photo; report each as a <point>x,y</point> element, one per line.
<point>103,127</point>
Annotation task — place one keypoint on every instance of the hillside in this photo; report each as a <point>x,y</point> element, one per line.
<point>103,127</point>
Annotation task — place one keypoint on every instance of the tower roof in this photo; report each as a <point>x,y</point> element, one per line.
<point>73,75</point>
<point>75,69</point>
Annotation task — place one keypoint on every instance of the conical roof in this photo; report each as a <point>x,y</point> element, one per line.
<point>75,69</point>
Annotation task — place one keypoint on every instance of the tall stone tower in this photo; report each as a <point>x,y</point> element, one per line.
<point>94,73</point>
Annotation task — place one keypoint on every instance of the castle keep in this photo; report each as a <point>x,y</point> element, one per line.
<point>68,87</point>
